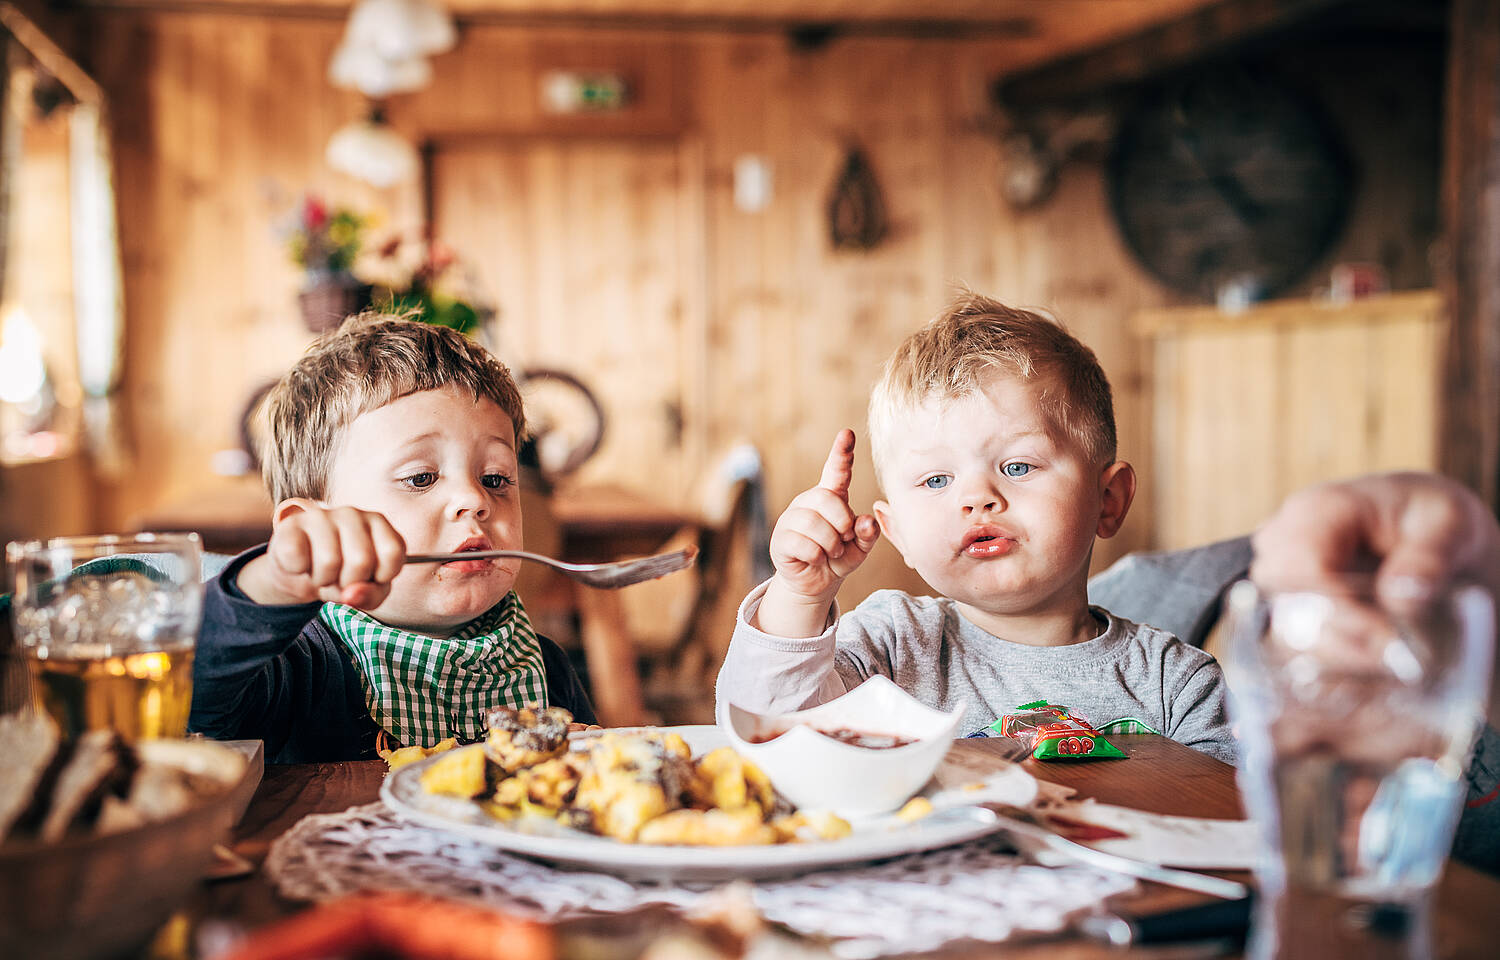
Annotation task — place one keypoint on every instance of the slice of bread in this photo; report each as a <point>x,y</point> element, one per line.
<point>30,744</point>
<point>101,764</point>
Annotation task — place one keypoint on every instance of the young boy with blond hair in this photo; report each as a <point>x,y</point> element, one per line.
<point>993,435</point>
<point>389,437</point>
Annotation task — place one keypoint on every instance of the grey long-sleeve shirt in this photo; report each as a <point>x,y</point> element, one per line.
<point>931,651</point>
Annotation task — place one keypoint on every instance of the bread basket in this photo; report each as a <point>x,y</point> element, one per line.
<point>99,896</point>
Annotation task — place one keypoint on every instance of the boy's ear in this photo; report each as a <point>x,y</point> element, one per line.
<point>1116,491</point>
<point>887,523</point>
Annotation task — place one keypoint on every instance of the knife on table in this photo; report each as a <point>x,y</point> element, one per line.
<point>1220,920</point>
<point>1049,849</point>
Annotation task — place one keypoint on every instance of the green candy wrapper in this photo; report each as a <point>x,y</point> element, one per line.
<point>1054,734</point>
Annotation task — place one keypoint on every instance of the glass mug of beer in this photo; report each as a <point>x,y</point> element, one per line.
<point>107,625</point>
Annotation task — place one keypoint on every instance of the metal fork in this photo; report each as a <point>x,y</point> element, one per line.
<point>608,576</point>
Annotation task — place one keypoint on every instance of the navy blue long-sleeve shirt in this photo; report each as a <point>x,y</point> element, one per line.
<point>278,674</point>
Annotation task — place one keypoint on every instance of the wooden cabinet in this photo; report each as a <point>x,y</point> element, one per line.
<point>1248,407</point>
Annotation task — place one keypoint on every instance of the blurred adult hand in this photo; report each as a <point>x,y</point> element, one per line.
<point>1414,531</point>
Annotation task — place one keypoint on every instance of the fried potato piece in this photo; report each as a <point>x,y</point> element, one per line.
<point>805,825</point>
<point>915,809</point>
<point>621,804</point>
<point>708,828</point>
<point>459,773</point>
<point>401,756</point>
<point>550,784</point>
<point>729,781</point>
<point>522,738</point>
<point>726,771</point>
<point>630,779</point>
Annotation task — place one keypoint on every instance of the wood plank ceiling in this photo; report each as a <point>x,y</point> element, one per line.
<point>1044,28</point>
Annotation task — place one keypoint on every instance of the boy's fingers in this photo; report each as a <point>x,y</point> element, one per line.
<point>805,551</point>
<point>323,557</point>
<point>356,547</point>
<point>838,470</point>
<point>389,547</point>
<point>290,551</point>
<point>828,507</point>
<point>866,534</point>
<point>361,595</point>
<point>817,529</point>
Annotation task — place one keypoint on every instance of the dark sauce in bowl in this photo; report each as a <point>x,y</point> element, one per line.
<point>855,738</point>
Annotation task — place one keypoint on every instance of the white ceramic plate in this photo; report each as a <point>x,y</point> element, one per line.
<point>545,840</point>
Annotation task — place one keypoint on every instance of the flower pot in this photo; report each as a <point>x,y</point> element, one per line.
<point>327,300</point>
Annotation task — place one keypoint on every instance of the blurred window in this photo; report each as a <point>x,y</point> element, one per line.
<point>40,394</point>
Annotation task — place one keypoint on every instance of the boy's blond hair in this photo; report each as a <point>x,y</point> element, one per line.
<point>976,337</point>
<point>369,361</point>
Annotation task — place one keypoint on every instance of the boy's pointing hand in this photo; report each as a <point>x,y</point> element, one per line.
<point>819,540</point>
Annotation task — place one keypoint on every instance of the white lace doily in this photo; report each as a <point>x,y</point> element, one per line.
<point>978,891</point>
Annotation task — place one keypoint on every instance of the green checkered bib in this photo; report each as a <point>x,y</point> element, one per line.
<point>423,689</point>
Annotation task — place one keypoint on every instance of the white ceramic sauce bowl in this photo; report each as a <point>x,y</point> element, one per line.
<point>818,772</point>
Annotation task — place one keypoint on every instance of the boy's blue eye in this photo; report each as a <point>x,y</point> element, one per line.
<point>1016,469</point>
<point>420,480</point>
<point>496,481</point>
<point>937,482</point>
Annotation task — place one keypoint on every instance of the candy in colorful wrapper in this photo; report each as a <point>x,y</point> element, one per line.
<point>1054,734</point>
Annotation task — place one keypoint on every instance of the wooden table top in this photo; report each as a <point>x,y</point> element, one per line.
<point>1161,776</point>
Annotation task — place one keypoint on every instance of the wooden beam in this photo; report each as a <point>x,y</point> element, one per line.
<point>474,12</point>
<point>1199,34</point>
<point>53,57</point>
<point>1469,441</point>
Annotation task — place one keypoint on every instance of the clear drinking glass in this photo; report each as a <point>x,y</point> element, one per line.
<point>1356,714</point>
<point>107,626</point>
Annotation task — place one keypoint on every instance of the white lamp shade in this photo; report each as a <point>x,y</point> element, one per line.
<point>372,152</point>
<point>357,67</point>
<point>400,29</point>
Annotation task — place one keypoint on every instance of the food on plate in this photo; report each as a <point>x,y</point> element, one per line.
<point>401,756</point>
<point>1052,733</point>
<point>460,773</point>
<point>915,809</point>
<point>635,787</point>
<point>520,738</point>
<point>735,782</point>
<point>715,827</point>
<point>810,825</point>
<point>632,778</point>
<point>96,783</point>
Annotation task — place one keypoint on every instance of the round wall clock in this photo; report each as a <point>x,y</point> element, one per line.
<point>1228,178</point>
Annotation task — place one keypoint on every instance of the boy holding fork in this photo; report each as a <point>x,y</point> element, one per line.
<point>388,437</point>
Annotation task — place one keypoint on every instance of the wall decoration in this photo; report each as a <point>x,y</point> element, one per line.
<point>1226,180</point>
<point>856,210</point>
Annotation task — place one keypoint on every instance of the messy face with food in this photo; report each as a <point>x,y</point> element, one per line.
<point>441,466</point>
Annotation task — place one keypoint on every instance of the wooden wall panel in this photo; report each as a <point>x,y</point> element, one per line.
<point>1253,407</point>
<point>590,250</point>
<point>764,332</point>
<point>219,126</point>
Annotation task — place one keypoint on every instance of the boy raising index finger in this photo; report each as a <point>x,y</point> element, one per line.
<point>816,544</point>
<point>992,432</point>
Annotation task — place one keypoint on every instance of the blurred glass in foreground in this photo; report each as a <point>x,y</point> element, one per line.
<point>1356,715</point>
<point>107,626</point>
